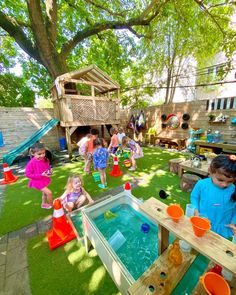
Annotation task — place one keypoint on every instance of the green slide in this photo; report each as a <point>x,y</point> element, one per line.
<point>12,154</point>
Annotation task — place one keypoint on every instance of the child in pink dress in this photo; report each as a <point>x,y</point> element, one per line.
<point>38,170</point>
<point>75,195</point>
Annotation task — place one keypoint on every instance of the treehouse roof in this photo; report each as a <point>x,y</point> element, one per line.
<point>92,76</point>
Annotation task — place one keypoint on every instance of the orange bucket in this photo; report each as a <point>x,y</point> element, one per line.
<point>215,284</point>
<point>175,212</point>
<point>200,225</point>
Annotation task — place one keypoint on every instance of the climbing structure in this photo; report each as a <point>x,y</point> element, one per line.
<point>85,97</point>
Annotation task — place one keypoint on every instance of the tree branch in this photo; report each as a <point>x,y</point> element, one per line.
<point>156,5</point>
<point>51,20</point>
<point>206,9</point>
<point>11,26</point>
<point>122,14</point>
<point>222,4</point>
<point>135,33</point>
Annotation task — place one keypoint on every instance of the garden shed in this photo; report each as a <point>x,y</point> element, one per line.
<point>85,97</point>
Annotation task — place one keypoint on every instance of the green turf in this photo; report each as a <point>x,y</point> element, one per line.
<point>68,269</point>
<point>22,205</point>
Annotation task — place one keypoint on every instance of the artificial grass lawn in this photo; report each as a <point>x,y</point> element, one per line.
<point>21,205</point>
<point>68,269</point>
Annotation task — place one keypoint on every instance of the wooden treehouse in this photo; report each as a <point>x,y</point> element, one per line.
<point>85,97</point>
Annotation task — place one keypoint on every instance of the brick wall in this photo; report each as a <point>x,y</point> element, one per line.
<point>17,124</point>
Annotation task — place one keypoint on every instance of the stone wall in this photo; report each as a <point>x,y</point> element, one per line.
<point>17,124</point>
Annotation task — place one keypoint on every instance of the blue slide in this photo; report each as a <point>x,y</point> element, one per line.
<point>12,154</point>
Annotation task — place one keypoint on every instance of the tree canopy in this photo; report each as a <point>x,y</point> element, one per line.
<point>14,92</point>
<point>127,39</point>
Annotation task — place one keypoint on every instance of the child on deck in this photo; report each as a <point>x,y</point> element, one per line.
<point>136,151</point>
<point>100,158</point>
<point>215,197</point>
<point>113,146</point>
<point>75,195</point>
<point>90,150</point>
<point>38,170</point>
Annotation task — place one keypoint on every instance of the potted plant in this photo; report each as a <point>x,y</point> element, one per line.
<point>211,117</point>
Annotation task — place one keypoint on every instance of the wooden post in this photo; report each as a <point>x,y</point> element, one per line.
<point>102,128</point>
<point>68,141</point>
<point>163,239</point>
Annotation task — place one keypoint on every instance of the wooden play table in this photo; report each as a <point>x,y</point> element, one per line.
<point>186,166</point>
<point>162,276</point>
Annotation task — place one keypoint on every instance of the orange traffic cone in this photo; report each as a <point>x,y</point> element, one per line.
<point>8,175</point>
<point>127,188</point>
<point>61,231</point>
<point>115,170</point>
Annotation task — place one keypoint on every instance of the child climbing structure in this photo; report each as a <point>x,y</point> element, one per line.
<point>85,97</point>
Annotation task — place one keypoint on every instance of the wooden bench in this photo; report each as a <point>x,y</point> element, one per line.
<point>179,143</point>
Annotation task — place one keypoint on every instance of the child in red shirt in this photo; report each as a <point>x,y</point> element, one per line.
<point>90,150</point>
<point>114,144</point>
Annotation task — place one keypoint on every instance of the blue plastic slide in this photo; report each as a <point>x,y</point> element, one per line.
<point>10,157</point>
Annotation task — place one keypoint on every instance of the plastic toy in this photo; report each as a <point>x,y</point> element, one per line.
<point>215,284</point>
<point>117,240</point>
<point>127,163</point>
<point>49,171</point>
<point>96,176</point>
<point>126,155</point>
<point>145,227</point>
<point>200,225</point>
<point>109,215</point>
<point>163,194</point>
<point>217,269</point>
<point>175,212</point>
<point>174,254</point>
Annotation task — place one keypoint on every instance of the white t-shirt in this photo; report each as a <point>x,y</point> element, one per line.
<point>120,136</point>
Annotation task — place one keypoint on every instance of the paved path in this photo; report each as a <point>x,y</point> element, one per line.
<point>14,277</point>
